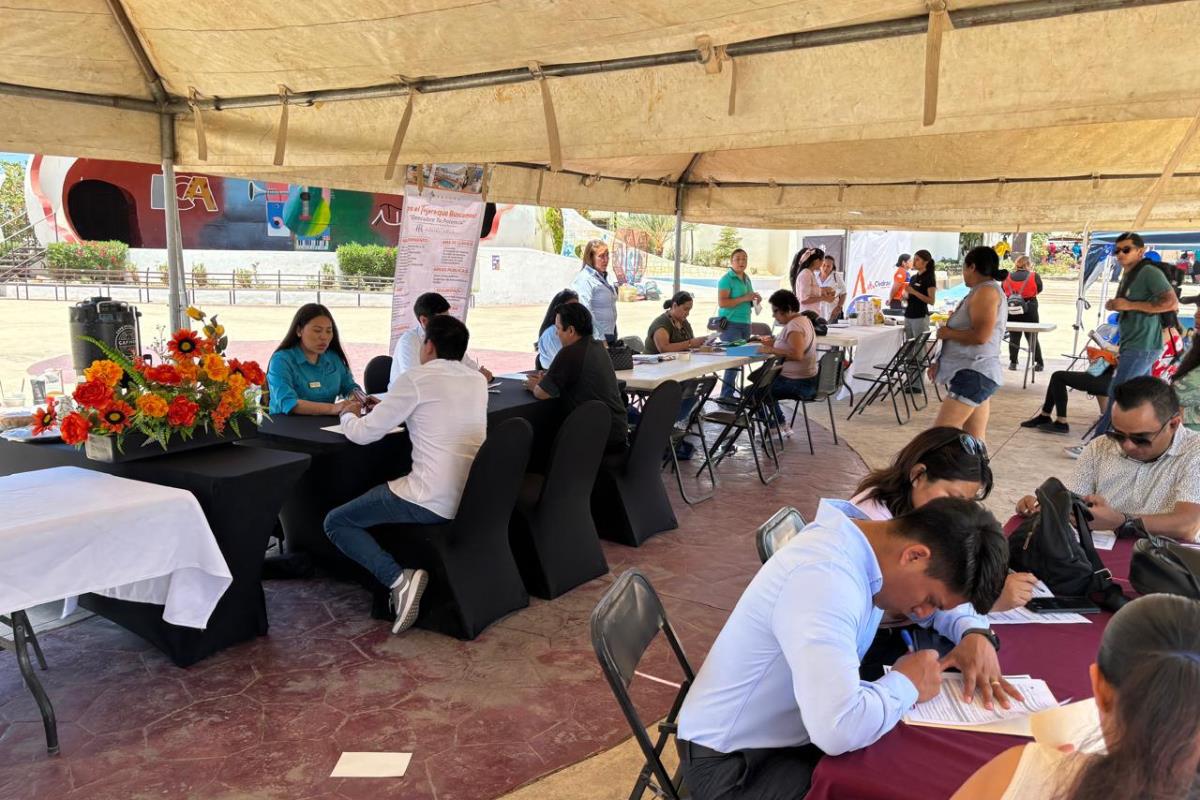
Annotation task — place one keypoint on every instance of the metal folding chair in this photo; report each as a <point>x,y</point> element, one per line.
<point>750,416</point>
<point>624,623</point>
<point>697,392</point>
<point>777,531</point>
<point>829,383</point>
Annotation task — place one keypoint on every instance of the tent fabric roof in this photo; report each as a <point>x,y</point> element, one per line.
<point>826,136</point>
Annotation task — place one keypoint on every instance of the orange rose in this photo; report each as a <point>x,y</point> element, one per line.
<point>105,372</point>
<point>74,428</point>
<point>93,393</point>
<point>151,405</point>
<point>215,367</point>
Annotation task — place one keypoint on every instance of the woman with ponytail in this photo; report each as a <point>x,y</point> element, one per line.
<point>969,363</point>
<point>1146,680</point>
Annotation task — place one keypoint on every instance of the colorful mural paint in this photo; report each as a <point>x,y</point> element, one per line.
<point>123,200</point>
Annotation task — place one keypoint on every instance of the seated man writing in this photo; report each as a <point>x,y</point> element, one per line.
<point>1145,471</point>
<point>582,371</point>
<point>408,347</point>
<point>781,685</point>
<point>443,403</point>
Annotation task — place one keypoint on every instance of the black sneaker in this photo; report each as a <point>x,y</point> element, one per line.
<point>1054,427</point>
<point>1039,367</point>
<point>1037,422</point>
<point>1012,366</point>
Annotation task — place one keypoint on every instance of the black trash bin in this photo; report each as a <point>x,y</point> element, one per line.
<point>113,322</point>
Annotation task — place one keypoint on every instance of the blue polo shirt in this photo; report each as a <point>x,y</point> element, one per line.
<point>290,377</point>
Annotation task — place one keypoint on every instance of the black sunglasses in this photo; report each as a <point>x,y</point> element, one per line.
<point>1136,439</point>
<point>1124,250</point>
<point>971,446</point>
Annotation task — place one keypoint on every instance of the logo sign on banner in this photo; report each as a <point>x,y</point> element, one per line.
<point>439,238</point>
<point>871,262</point>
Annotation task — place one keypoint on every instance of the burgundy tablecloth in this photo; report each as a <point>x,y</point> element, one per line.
<point>914,762</point>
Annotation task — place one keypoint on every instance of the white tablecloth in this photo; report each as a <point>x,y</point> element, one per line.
<point>67,531</point>
<point>873,344</point>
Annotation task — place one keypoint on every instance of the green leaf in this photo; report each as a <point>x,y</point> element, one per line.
<point>120,359</point>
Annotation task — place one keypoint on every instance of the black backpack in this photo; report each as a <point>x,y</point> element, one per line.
<point>1055,544</point>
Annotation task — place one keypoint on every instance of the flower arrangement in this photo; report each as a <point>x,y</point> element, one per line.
<point>195,388</point>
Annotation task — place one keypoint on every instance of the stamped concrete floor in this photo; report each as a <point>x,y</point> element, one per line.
<point>269,718</point>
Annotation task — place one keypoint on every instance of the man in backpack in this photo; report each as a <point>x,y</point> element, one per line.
<point>1022,287</point>
<point>1145,473</point>
<point>1142,295</point>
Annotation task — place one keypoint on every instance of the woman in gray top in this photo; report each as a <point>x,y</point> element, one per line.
<point>969,363</point>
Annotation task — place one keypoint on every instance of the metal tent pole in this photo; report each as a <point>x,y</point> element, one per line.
<point>678,234</point>
<point>176,285</point>
<point>1081,302</point>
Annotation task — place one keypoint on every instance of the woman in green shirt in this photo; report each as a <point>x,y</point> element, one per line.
<point>309,371</point>
<point>735,297</point>
<point>671,332</point>
<point>1187,386</point>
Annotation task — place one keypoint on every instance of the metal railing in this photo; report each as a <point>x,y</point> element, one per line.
<point>51,283</point>
<point>20,248</point>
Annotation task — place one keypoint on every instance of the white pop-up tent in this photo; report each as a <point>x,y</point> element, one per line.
<point>911,114</point>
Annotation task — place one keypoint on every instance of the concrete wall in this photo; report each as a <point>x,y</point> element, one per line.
<point>226,261</point>
<point>525,276</point>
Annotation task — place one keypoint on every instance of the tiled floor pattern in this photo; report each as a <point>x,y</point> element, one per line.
<point>269,718</point>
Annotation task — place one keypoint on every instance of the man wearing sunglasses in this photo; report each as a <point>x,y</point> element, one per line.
<point>1143,475</point>
<point>1143,294</point>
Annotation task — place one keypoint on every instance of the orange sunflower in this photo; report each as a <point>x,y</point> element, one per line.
<point>116,416</point>
<point>44,418</point>
<point>184,344</point>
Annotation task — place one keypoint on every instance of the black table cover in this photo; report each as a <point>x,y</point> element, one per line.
<point>342,470</point>
<point>239,489</point>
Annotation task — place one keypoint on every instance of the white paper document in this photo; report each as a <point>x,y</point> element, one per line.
<point>1104,540</point>
<point>1021,616</point>
<point>949,710</point>
<point>513,376</point>
<point>371,765</point>
<point>338,429</point>
<point>1076,724</point>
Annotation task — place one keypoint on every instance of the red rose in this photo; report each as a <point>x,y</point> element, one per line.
<point>74,428</point>
<point>165,374</point>
<point>182,412</point>
<point>248,370</point>
<point>92,394</point>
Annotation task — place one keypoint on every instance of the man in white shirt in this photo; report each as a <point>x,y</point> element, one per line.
<point>781,685</point>
<point>1143,475</point>
<point>408,347</point>
<point>443,403</point>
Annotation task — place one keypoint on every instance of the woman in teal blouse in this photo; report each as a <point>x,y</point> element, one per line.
<point>308,371</point>
<point>1187,386</point>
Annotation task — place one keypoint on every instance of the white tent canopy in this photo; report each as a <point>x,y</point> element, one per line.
<point>1049,114</point>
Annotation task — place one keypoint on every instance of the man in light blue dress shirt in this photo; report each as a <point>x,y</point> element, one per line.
<point>781,685</point>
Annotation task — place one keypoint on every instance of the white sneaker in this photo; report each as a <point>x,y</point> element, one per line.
<point>1074,452</point>
<point>406,598</point>
<point>786,431</point>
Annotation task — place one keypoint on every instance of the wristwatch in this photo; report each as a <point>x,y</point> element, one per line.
<point>987,633</point>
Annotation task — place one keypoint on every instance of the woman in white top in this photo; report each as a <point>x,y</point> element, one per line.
<point>833,290</point>
<point>939,462</point>
<point>1146,681</point>
<point>803,275</point>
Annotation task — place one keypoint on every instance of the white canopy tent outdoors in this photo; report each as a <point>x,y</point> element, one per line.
<point>903,114</point>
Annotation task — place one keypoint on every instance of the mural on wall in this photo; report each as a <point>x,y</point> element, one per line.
<point>124,201</point>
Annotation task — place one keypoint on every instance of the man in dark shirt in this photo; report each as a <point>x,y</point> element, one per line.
<point>582,371</point>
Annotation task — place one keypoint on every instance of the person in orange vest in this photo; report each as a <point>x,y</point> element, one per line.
<point>900,281</point>
<point>1022,288</point>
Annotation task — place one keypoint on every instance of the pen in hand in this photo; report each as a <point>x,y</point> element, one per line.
<point>908,641</point>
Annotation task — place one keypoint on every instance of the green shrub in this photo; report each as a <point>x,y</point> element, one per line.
<point>244,278</point>
<point>162,274</point>
<point>327,276</point>
<point>102,259</point>
<point>199,275</point>
<point>368,260</point>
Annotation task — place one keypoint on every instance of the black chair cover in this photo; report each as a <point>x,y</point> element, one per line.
<point>629,501</point>
<point>552,534</point>
<point>377,375</point>
<point>473,579</point>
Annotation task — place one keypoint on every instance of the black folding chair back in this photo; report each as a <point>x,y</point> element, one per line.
<point>777,531</point>
<point>830,369</point>
<point>695,391</point>
<point>473,579</point>
<point>760,329</point>
<point>377,375</point>
<point>634,343</point>
<point>552,533</point>
<point>890,379</point>
<point>753,414</point>
<point>629,501</point>
<point>624,624</point>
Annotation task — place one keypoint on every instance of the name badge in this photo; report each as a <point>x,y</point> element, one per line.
<point>314,384</point>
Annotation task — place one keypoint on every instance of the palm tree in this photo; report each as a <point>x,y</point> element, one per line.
<point>657,228</point>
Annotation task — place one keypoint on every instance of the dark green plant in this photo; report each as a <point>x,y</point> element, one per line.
<point>366,260</point>
<point>102,259</point>
<point>727,241</point>
<point>554,223</point>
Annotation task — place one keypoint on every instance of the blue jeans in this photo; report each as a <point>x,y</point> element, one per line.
<point>733,332</point>
<point>346,526</point>
<point>1130,364</point>
<point>792,389</point>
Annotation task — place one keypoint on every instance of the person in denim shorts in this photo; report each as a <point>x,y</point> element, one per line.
<point>969,362</point>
